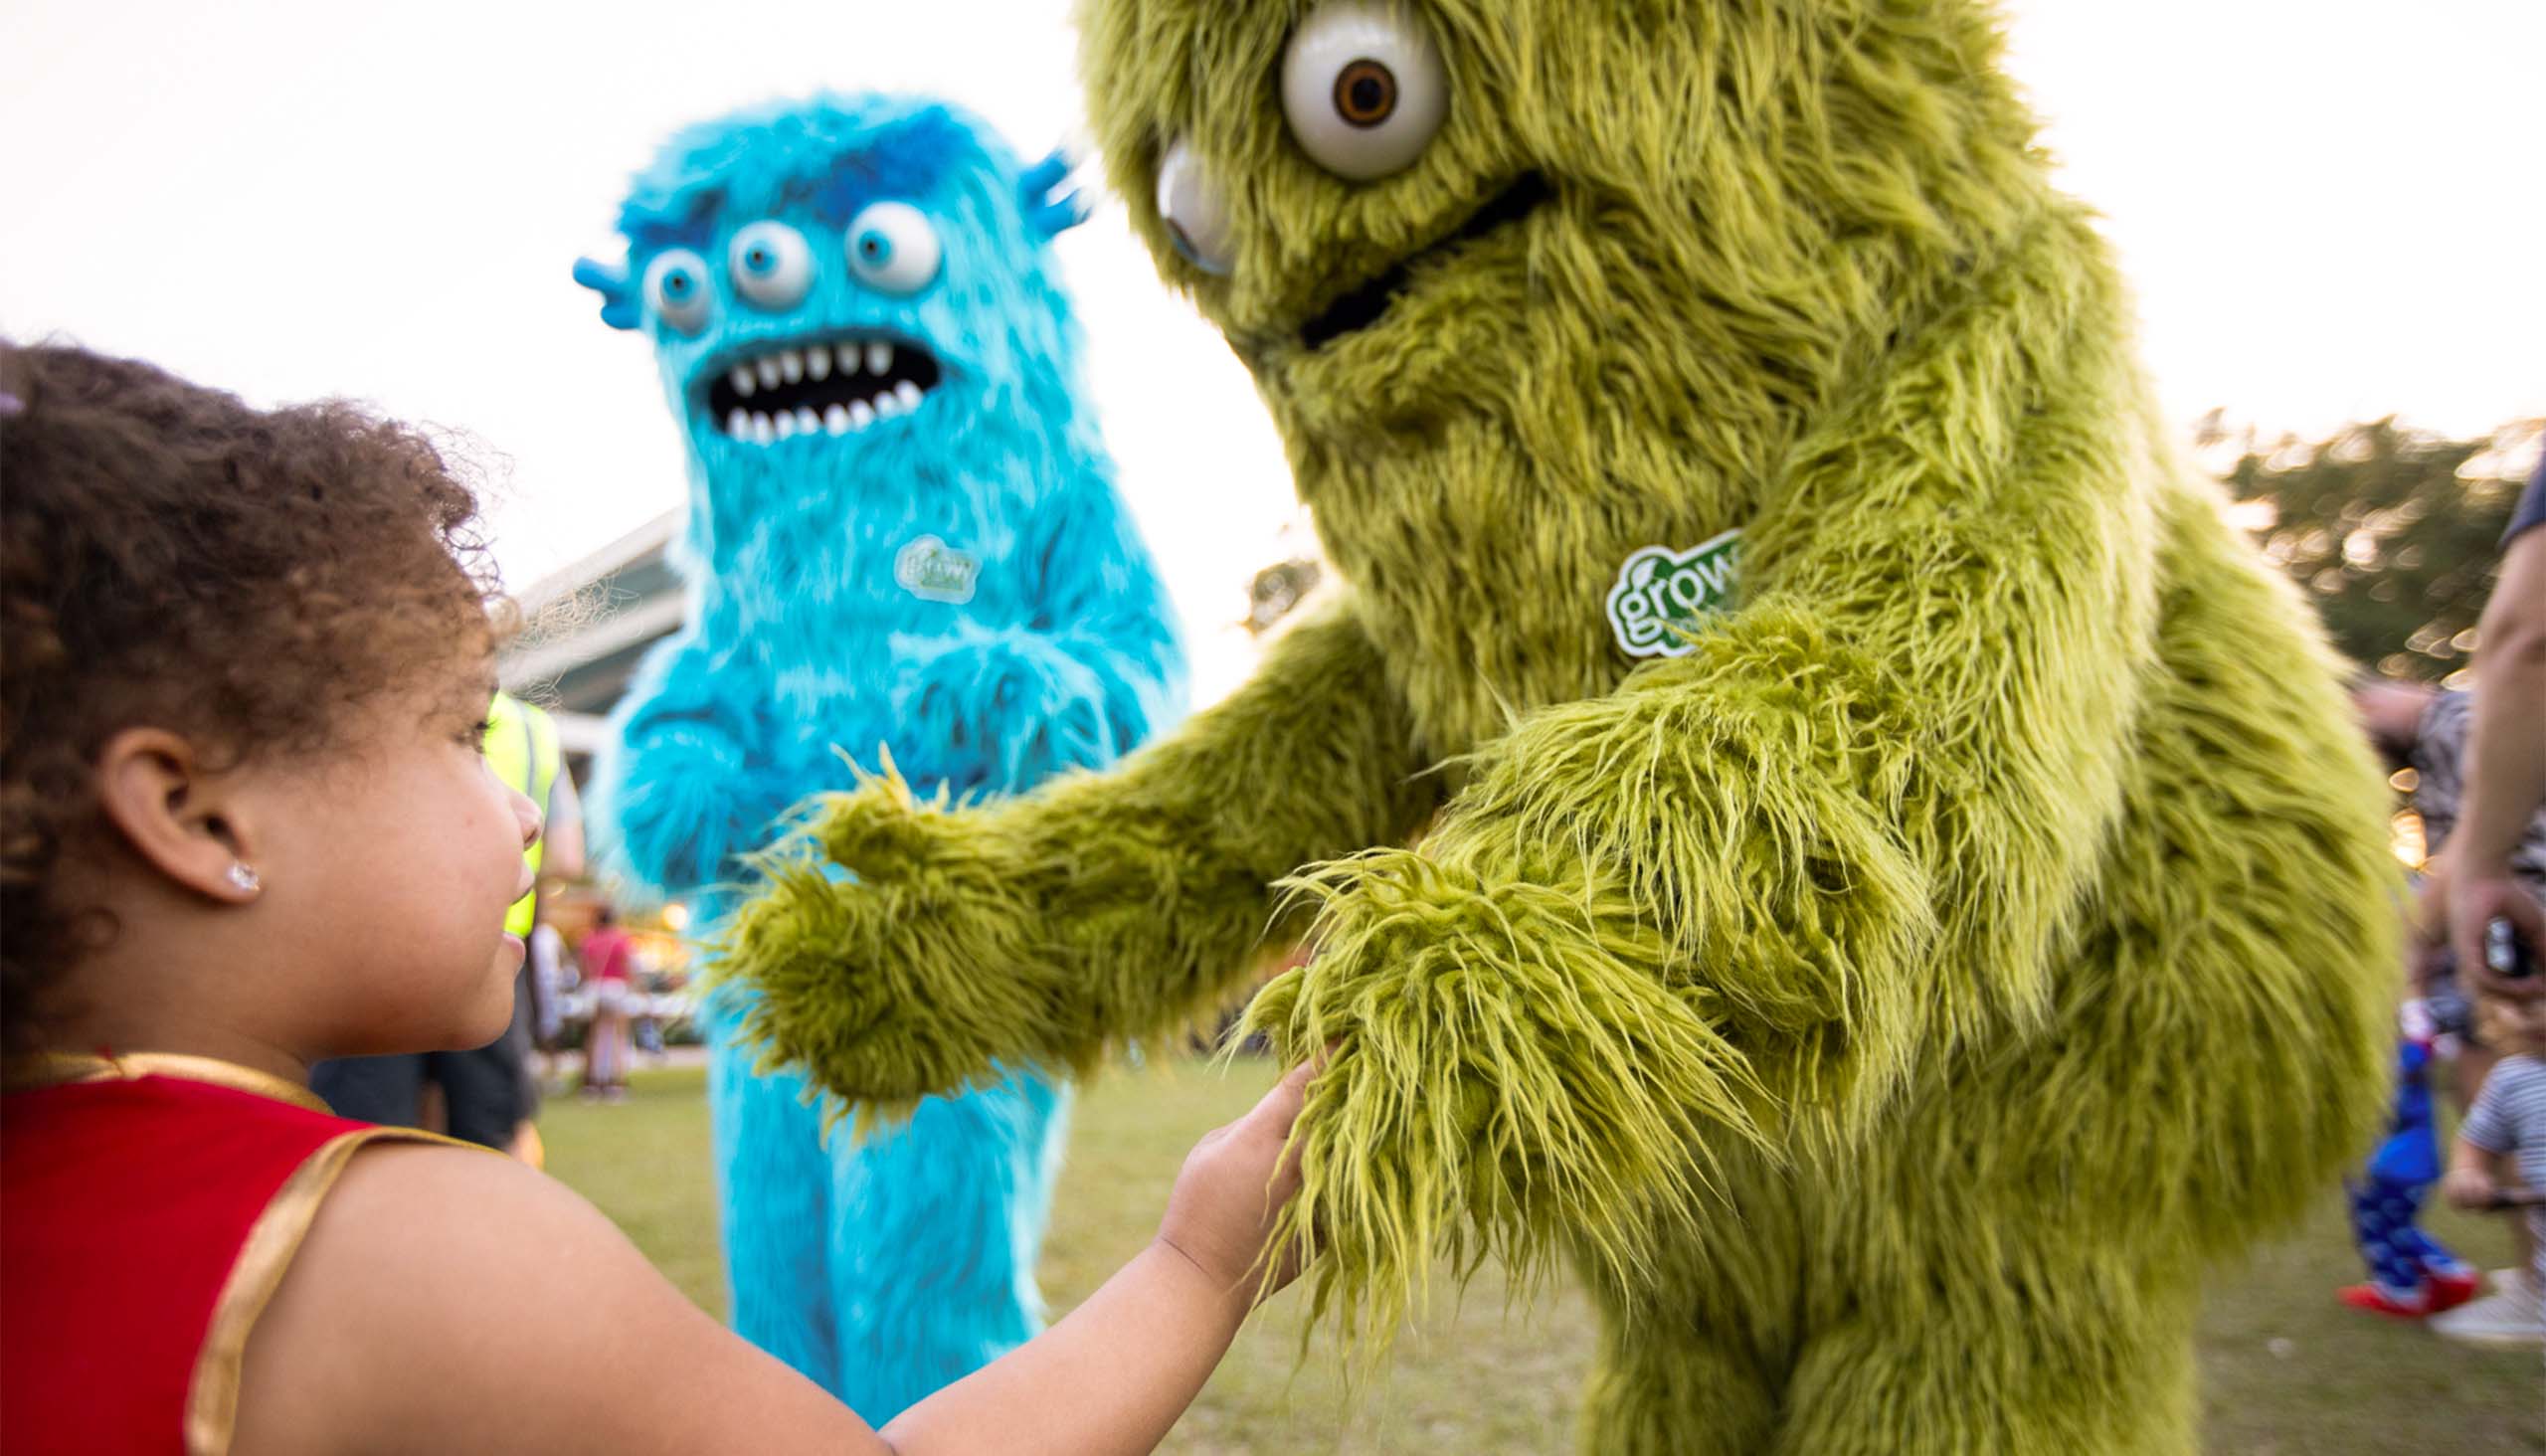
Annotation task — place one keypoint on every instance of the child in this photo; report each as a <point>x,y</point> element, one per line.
<point>2508,1119</point>
<point>2410,1274</point>
<point>245,824</point>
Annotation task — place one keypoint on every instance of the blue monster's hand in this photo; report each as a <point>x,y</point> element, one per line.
<point>679,817</point>
<point>679,781</point>
<point>1004,710</point>
<point>1094,672</point>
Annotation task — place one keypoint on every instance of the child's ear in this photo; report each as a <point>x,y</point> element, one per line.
<point>180,819</point>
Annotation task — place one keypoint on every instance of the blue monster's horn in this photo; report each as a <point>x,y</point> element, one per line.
<point>619,307</point>
<point>1053,202</point>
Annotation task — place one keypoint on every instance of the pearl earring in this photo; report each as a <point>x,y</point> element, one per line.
<point>244,879</point>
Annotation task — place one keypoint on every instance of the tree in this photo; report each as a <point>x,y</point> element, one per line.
<point>2394,533</point>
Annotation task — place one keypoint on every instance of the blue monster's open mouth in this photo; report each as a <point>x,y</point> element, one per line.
<point>833,386</point>
<point>1363,306</point>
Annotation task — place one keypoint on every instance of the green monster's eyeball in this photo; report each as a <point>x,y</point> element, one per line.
<point>1197,221</point>
<point>771,264</point>
<point>1363,89</point>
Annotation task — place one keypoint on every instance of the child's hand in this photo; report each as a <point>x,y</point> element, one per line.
<point>1234,1183</point>
<point>2467,1188</point>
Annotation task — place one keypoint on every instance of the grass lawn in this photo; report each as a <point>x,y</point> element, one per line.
<point>2285,1369</point>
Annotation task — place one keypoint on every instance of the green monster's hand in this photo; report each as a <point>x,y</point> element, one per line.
<point>904,980</point>
<point>1732,908</point>
<point>1101,908</point>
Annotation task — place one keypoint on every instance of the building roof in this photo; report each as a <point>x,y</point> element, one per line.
<point>586,626</point>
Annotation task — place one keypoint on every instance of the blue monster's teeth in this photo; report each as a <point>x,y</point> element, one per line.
<point>808,389</point>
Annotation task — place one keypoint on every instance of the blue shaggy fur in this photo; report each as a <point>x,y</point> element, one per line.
<point>954,582</point>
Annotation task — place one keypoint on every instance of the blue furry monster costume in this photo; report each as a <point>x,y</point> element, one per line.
<point>903,536</point>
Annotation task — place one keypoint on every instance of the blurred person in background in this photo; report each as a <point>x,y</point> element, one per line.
<point>2411,1274</point>
<point>2496,867</point>
<point>2493,870</point>
<point>609,961</point>
<point>550,975</point>
<point>2500,1163</point>
<point>2428,730</point>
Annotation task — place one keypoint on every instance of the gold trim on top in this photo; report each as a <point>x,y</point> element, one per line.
<point>50,1069</point>
<point>212,1392</point>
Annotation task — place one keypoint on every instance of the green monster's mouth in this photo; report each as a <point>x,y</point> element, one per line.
<point>1365,304</point>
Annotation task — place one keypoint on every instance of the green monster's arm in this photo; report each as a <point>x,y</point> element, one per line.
<point>1101,907</point>
<point>1739,901</point>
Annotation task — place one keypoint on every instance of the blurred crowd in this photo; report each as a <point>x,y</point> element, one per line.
<point>2474,1020</point>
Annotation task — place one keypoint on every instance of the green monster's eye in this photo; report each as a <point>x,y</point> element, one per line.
<point>1363,89</point>
<point>1198,221</point>
<point>1365,94</point>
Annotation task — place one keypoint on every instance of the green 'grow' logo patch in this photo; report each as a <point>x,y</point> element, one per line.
<point>933,571</point>
<point>1663,596</point>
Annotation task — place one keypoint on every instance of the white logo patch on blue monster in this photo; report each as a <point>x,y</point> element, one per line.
<point>933,571</point>
<point>1662,597</point>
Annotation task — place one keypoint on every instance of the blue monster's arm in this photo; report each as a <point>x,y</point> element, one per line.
<point>1093,671</point>
<point>681,784</point>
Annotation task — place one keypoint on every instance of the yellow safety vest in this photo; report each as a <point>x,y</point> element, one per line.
<point>522,747</point>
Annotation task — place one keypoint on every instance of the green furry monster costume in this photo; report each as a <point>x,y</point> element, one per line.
<point>1891,949</point>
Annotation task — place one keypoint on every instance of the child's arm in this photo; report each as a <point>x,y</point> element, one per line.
<point>446,1300</point>
<point>1137,1352</point>
<point>2469,1181</point>
<point>2482,1139</point>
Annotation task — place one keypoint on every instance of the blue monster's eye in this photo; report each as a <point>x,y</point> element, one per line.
<point>892,247</point>
<point>772,266</point>
<point>676,289</point>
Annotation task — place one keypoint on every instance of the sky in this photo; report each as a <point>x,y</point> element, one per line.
<point>2330,211</point>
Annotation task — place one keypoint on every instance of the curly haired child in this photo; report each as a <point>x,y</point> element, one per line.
<point>245,658</point>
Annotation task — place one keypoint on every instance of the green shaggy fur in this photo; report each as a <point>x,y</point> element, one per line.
<point>1889,1006</point>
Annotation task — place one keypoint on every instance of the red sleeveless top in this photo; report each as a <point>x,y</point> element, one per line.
<point>148,1209</point>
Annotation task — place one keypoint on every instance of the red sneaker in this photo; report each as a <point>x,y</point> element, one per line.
<point>2375,1299</point>
<point>2449,1291</point>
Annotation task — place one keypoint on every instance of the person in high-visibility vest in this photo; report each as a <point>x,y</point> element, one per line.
<point>522,747</point>
<point>488,1093</point>
<point>524,750</point>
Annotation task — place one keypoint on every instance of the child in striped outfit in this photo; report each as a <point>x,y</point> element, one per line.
<point>2506,1124</point>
